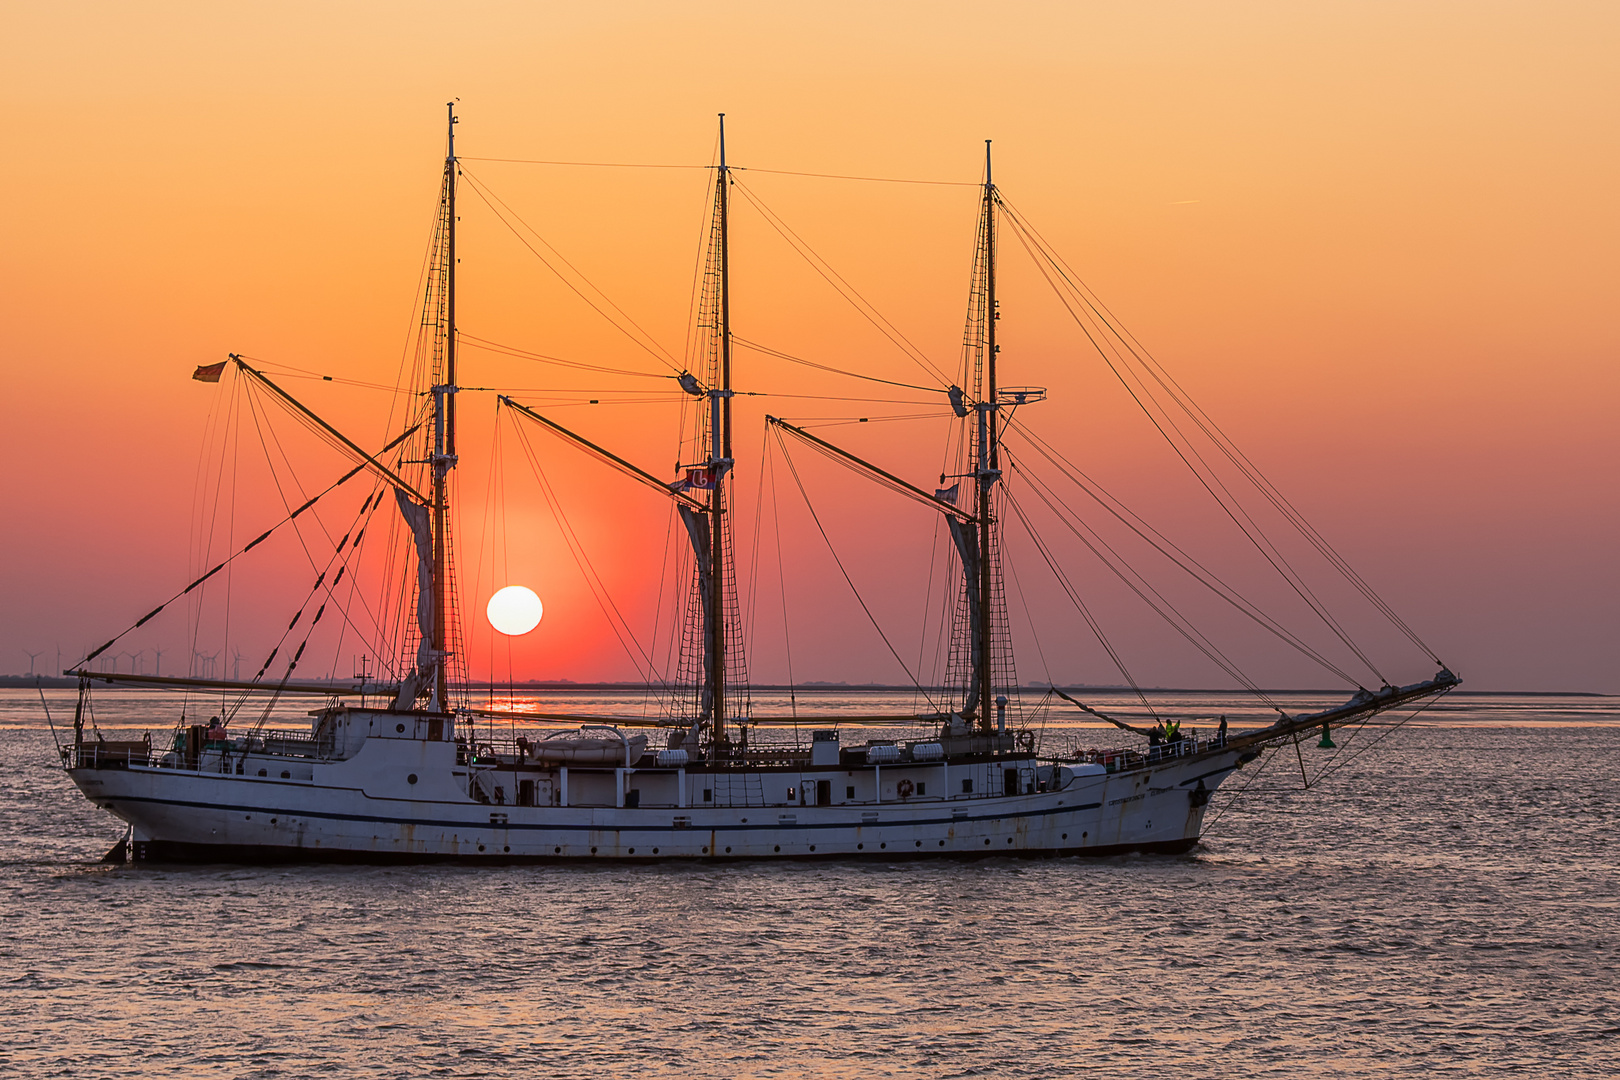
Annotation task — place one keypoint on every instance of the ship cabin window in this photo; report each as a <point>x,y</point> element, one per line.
<point>708,795</point>
<point>793,793</point>
<point>967,786</point>
<point>922,788</point>
<point>849,792</point>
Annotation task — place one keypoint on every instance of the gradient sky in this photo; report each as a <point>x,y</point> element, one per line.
<point>1376,241</point>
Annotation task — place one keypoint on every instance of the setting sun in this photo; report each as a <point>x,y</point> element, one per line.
<point>515,610</point>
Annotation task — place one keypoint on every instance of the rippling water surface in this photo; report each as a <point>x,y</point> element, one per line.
<point>1447,904</point>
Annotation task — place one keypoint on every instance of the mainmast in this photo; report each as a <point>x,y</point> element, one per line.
<point>988,467</point>
<point>444,432</point>
<point>720,463</point>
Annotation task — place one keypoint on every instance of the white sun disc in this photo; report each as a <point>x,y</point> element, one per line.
<point>514,610</point>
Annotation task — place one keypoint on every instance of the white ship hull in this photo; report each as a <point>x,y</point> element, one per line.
<point>404,799</point>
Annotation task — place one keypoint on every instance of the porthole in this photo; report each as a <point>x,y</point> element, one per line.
<point>285,775</point>
<point>632,851</point>
<point>860,847</point>
<point>508,848</point>
<point>883,845</point>
<point>263,773</point>
<point>705,851</point>
<point>778,847</point>
<point>1009,839</point>
<point>812,847</point>
<point>942,843</point>
<point>655,851</point>
<point>1065,836</point>
<point>400,728</point>
<point>411,779</point>
<point>556,851</point>
<point>274,820</point>
<point>919,843</point>
<point>480,847</point>
<point>1084,835</point>
<point>593,851</point>
<point>987,841</point>
<point>728,851</point>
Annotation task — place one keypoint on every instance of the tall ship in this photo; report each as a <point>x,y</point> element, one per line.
<point>403,764</point>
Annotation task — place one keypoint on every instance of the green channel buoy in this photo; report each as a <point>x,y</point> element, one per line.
<point>1327,740</point>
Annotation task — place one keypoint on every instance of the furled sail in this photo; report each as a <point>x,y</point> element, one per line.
<point>697,527</point>
<point>967,548</point>
<point>421,525</point>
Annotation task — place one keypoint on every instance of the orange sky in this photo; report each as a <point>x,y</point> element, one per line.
<point>1376,241</point>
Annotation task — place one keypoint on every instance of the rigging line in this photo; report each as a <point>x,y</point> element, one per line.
<point>829,397</point>
<point>1080,605</point>
<point>813,422</point>
<point>1229,803</point>
<point>753,554</point>
<point>483,189</point>
<point>1006,560</point>
<point>642,397</point>
<point>487,534</point>
<point>320,580</point>
<point>788,458</point>
<point>1203,575</point>
<point>1261,545</point>
<point>292,372</point>
<point>302,543</point>
<point>1223,441</point>
<point>1334,765</point>
<point>781,582</point>
<point>843,287</point>
<point>200,580</point>
<point>584,164</point>
<point>1229,450</point>
<point>780,355</point>
<point>1180,622</point>
<point>869,179</point>
<point>621,628</point>
<point>486,345</point>
<point>655,350</point>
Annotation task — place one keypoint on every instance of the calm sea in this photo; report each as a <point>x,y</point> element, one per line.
<point>1447,903</point>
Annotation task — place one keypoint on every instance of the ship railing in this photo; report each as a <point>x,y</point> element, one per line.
<point>1127,759</point>
<point>108,754</point>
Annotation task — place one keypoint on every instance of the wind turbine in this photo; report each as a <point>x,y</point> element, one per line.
<point>159,660</point>
<point>31,656</point>
<point>236,667</point>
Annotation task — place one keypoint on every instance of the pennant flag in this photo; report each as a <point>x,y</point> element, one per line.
<point>209,372</point>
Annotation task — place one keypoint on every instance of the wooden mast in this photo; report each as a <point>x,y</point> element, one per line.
<point>720,423</point>
<point>444,431</point>
<point>988,467</point>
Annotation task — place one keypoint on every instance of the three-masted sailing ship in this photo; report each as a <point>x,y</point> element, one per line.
<point>399,772</point>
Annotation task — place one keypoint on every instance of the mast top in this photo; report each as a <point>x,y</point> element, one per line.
<point>722,142</point>
<point>450,142</point>
<point>987,181</point>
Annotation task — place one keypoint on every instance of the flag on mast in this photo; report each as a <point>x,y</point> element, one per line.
<point>209,372</point>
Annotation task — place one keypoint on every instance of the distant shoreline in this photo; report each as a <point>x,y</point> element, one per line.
<point>59,682</point>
